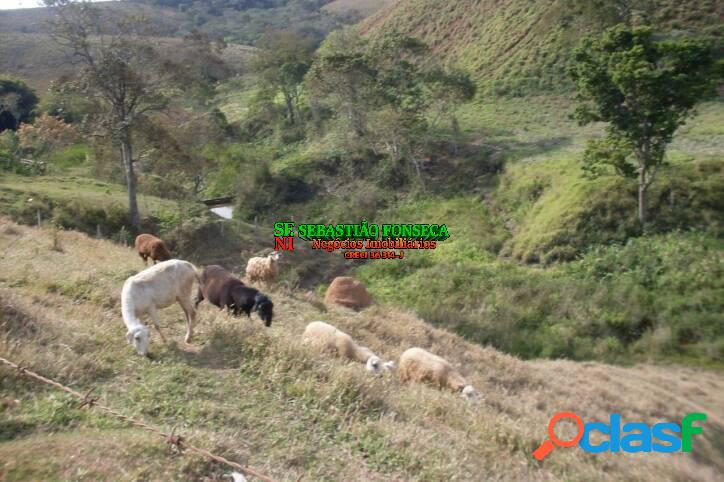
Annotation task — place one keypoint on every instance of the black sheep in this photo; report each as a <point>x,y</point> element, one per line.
<point>225,290</point>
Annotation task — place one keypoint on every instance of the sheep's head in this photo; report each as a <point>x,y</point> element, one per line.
<point>276,255</point>
<point>374,365</point>
<point>139,338</point>
<point>265,308</point>
<point>469,392</point>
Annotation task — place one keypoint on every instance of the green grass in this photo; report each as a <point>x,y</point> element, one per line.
<point>81,203</point>
<point>363,7</point>
<point>89,190</point>
<point>620,303</point>
<point>543,210</point>
<point>260,397</point>
<point>517,47</point>
<point>74,156</point>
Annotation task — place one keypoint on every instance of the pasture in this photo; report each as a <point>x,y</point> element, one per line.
<point>257,396</point>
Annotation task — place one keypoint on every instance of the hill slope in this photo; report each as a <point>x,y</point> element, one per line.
<point>166,21</point>
<point>38,60</point>
<point>520,45</point>
<point>257,396</point>
<point>365,8</point>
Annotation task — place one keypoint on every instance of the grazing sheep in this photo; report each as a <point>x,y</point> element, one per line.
<point>149,246</point>
<point>328,338</point>
<point>418,365</point>
<point>223,289</point>
<point>263,269</point>
<point>152,289</point>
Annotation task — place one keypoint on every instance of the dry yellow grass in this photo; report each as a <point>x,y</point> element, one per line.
<point>256,395</point>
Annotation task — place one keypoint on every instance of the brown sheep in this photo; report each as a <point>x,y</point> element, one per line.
<point>149,246</point>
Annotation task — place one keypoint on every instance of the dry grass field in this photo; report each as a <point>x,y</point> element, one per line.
<point>257,396</point>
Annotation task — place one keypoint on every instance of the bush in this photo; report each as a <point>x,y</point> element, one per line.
<point>71,156</point>
<point>557,214</point>
<point>82,217</point>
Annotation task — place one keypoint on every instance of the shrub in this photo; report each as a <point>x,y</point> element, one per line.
<point>45,134</point>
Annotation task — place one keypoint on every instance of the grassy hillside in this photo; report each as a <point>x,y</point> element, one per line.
<point>38,60</point>
<point>521,46</point>
<point>257,396</point>
<point>363,8</point>
<point>35,20</point>
<point>616,297</point>
<point>80,203</point>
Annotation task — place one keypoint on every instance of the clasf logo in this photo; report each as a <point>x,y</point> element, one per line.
<point>632,437</point>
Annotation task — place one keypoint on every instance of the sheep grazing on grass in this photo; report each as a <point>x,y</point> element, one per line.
<point>152,289</point>
<point>263,269</point>
<point>149,246</point>
<point>225,290</point>
<point>328,338</point>
<point>418,365</point>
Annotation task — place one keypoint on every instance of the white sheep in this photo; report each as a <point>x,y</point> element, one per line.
<point>263,269</point>
<point>152,289</point>
<point>418,365</point>
<point>328,338</point>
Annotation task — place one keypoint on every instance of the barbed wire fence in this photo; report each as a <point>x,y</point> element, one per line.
<point>176,441</point>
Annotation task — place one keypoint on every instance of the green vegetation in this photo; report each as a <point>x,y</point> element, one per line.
<point>458,113</point>
<point>79,203</point>
<point>385,127</point>
<point>521,47</point>
<point>644,90</point>
<point>260,397</point>
<point>246,21</point>
<point>363,8</point>
<point>17,102</point>
<point>543,209</point>
<point>655,298</point>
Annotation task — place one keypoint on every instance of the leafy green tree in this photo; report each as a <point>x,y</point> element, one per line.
<point>121,70</point>
<point>386,92</point>
<point>343,80</point>
<point>283,60</point>
<point>17,102</point>
<point>644,90</point>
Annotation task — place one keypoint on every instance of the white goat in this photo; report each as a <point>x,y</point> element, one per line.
<point>152,289</point>
<point>328,338</point>
<point>263,269</point>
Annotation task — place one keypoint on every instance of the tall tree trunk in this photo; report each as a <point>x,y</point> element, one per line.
<point>643,188</point>
<point>290,106</point>
<point>127,154</point>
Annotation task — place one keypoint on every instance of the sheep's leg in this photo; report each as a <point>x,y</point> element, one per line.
<point>190,313</point>
<point>199,298</point>
<point>144,258</point>
<point>157,323</point>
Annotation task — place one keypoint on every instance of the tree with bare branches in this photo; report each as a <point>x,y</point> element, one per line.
<point>120,67</point>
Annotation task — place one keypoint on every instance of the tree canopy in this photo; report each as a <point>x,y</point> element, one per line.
<point>17,102</point>
<point>644,90</point>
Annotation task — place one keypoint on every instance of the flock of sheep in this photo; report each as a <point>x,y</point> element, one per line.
<point>172,280</point>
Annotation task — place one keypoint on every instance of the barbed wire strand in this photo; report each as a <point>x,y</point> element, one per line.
<point>174,440</point>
